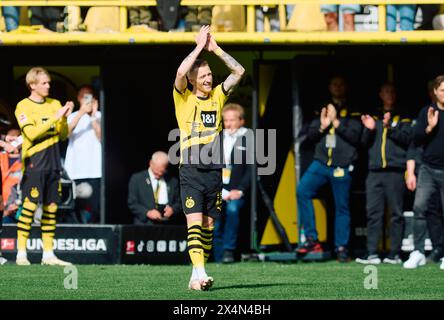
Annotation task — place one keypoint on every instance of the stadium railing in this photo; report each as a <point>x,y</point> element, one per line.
<point>239,37</point>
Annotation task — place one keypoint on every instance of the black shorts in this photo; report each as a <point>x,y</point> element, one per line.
<point>201,190</point>
<point>41,186</point>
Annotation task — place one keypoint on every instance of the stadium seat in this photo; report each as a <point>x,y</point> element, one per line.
<point>228,18</point>
<point>102,19</point>
<point>307,17</point>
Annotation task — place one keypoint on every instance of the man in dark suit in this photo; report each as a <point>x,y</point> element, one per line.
<point>236,178</point>
<point>153,196</point>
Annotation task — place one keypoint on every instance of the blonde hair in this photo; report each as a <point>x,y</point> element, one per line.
<point>196,65</point>
<point>234,107</point>
<point>31,76</point>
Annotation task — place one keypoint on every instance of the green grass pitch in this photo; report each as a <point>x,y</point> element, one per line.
<point>239,281</point>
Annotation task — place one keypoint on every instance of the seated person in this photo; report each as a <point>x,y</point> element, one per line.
<point>153,196</point>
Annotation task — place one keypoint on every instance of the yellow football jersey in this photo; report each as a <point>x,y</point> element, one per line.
<point>41,133</point>
<point>200,124</point>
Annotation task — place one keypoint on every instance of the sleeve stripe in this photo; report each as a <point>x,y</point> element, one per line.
<point>223,89</point>
<point>178,91</point>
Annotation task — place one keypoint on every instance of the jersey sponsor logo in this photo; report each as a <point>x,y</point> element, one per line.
<point>34,192</point>
<point>22,118</point>
<point>189,203</point>
<point>209,118</point>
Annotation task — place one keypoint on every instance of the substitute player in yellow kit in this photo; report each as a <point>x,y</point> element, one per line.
<point>199,116</point>
<point>43,124</point>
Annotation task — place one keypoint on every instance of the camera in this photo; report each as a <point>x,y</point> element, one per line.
<point>87,98</point>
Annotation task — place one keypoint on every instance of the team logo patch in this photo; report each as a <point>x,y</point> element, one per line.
<point>22,118</point>
<point>189,203</point>
<point>34,192</point>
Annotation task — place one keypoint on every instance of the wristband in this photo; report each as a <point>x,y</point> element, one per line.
<point>218,51</point>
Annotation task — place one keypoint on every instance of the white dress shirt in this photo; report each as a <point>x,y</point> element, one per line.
<point>163,191</point>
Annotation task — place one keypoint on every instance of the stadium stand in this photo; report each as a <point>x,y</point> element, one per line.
<point>111,16</point>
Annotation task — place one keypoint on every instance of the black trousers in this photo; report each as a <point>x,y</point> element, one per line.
<point>429,190</point>
<point>385,187</point>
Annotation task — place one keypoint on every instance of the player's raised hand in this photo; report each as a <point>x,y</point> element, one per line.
<point>212,44</point>
<point>203,37</point>
<point>368,122</point>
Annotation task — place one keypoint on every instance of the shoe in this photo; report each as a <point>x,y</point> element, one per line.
<point>228,257</point>
<point>392,259</point>
<point>3,261</point>
<point>310,245</point>
<point>442,264</point>
<point>194,284</point>
<point>22,261</point>
<point>369,259</point>
<point>416,259</point>
<point>435,255</point>
<point>342,255</point>
<point>206,284</point>
<point>54,261</point>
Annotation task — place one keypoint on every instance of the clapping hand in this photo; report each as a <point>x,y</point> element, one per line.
<point>368,122</point>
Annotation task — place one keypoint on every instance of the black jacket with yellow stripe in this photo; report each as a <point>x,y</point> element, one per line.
<point>387,147</point>
<point>347,138</point>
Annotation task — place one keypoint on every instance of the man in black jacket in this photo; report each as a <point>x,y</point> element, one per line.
<point>153,196</point>
<point>336,134</point>
<point>434,216</point>
<point>387,137</point>
<point>428,133</point>
<point>236,178</point>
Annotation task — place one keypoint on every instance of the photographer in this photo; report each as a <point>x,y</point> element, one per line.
<point>83,161</point>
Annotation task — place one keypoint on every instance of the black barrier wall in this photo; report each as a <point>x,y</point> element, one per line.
<point>105,244</point>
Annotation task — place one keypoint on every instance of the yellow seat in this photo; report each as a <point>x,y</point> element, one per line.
<point>307,17</point>
<point>228,18</point>
<point>103,19</point>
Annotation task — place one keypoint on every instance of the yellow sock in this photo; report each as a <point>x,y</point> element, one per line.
<point>48,226</point>
<point>24,223</point>
<point>195,249</point>
<point>207,241</point>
